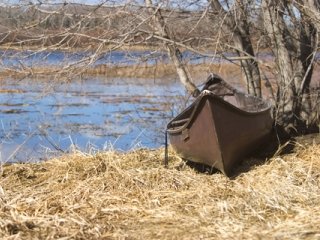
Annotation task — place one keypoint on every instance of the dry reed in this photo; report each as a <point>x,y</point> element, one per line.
<point>131,196</point>
<point>160,70</point>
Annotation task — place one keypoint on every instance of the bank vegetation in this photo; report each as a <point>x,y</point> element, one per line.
<point>114,195</point>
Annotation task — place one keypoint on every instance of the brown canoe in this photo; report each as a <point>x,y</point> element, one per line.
<point>221,126</point>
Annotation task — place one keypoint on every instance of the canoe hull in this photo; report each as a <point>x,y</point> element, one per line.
<point>219,135</point>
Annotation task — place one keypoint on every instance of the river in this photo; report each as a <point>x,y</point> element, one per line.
<point>42,118</point>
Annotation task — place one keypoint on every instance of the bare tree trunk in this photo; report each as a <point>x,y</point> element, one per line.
<point>310,13</point>
<point>310,8</point>
<point>293,57</point>
<point>243,45</point>
<point>173,52</point>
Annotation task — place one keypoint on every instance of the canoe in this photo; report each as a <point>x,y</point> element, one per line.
<point>221,127</point>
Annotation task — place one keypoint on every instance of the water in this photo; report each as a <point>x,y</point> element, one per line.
<point>42,118</point>
<point>18,59</point>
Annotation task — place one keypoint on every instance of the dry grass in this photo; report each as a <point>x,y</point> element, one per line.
<point>131,196</point>
<point>160,70</point>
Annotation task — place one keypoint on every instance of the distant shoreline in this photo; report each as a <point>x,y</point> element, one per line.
<point>159,70</point>
<point>76,49</point>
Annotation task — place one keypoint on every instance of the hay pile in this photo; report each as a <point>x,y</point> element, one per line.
<point>117,196</point>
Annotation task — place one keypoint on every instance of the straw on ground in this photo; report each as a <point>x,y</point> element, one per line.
<point>118,196</point>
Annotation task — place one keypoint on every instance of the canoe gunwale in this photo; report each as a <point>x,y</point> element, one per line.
<point>206,95</point>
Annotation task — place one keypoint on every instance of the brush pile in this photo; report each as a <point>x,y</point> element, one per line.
<point>115,195</point>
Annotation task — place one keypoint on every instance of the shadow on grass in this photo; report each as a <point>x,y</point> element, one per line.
<point>275,147</point>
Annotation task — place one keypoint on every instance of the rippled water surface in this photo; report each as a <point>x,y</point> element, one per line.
<point>41,118</point>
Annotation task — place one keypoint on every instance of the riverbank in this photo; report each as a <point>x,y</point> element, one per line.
<point>131,195</point>
<point>151,71</point>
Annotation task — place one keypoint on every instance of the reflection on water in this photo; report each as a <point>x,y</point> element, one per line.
<point>40,118</point>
